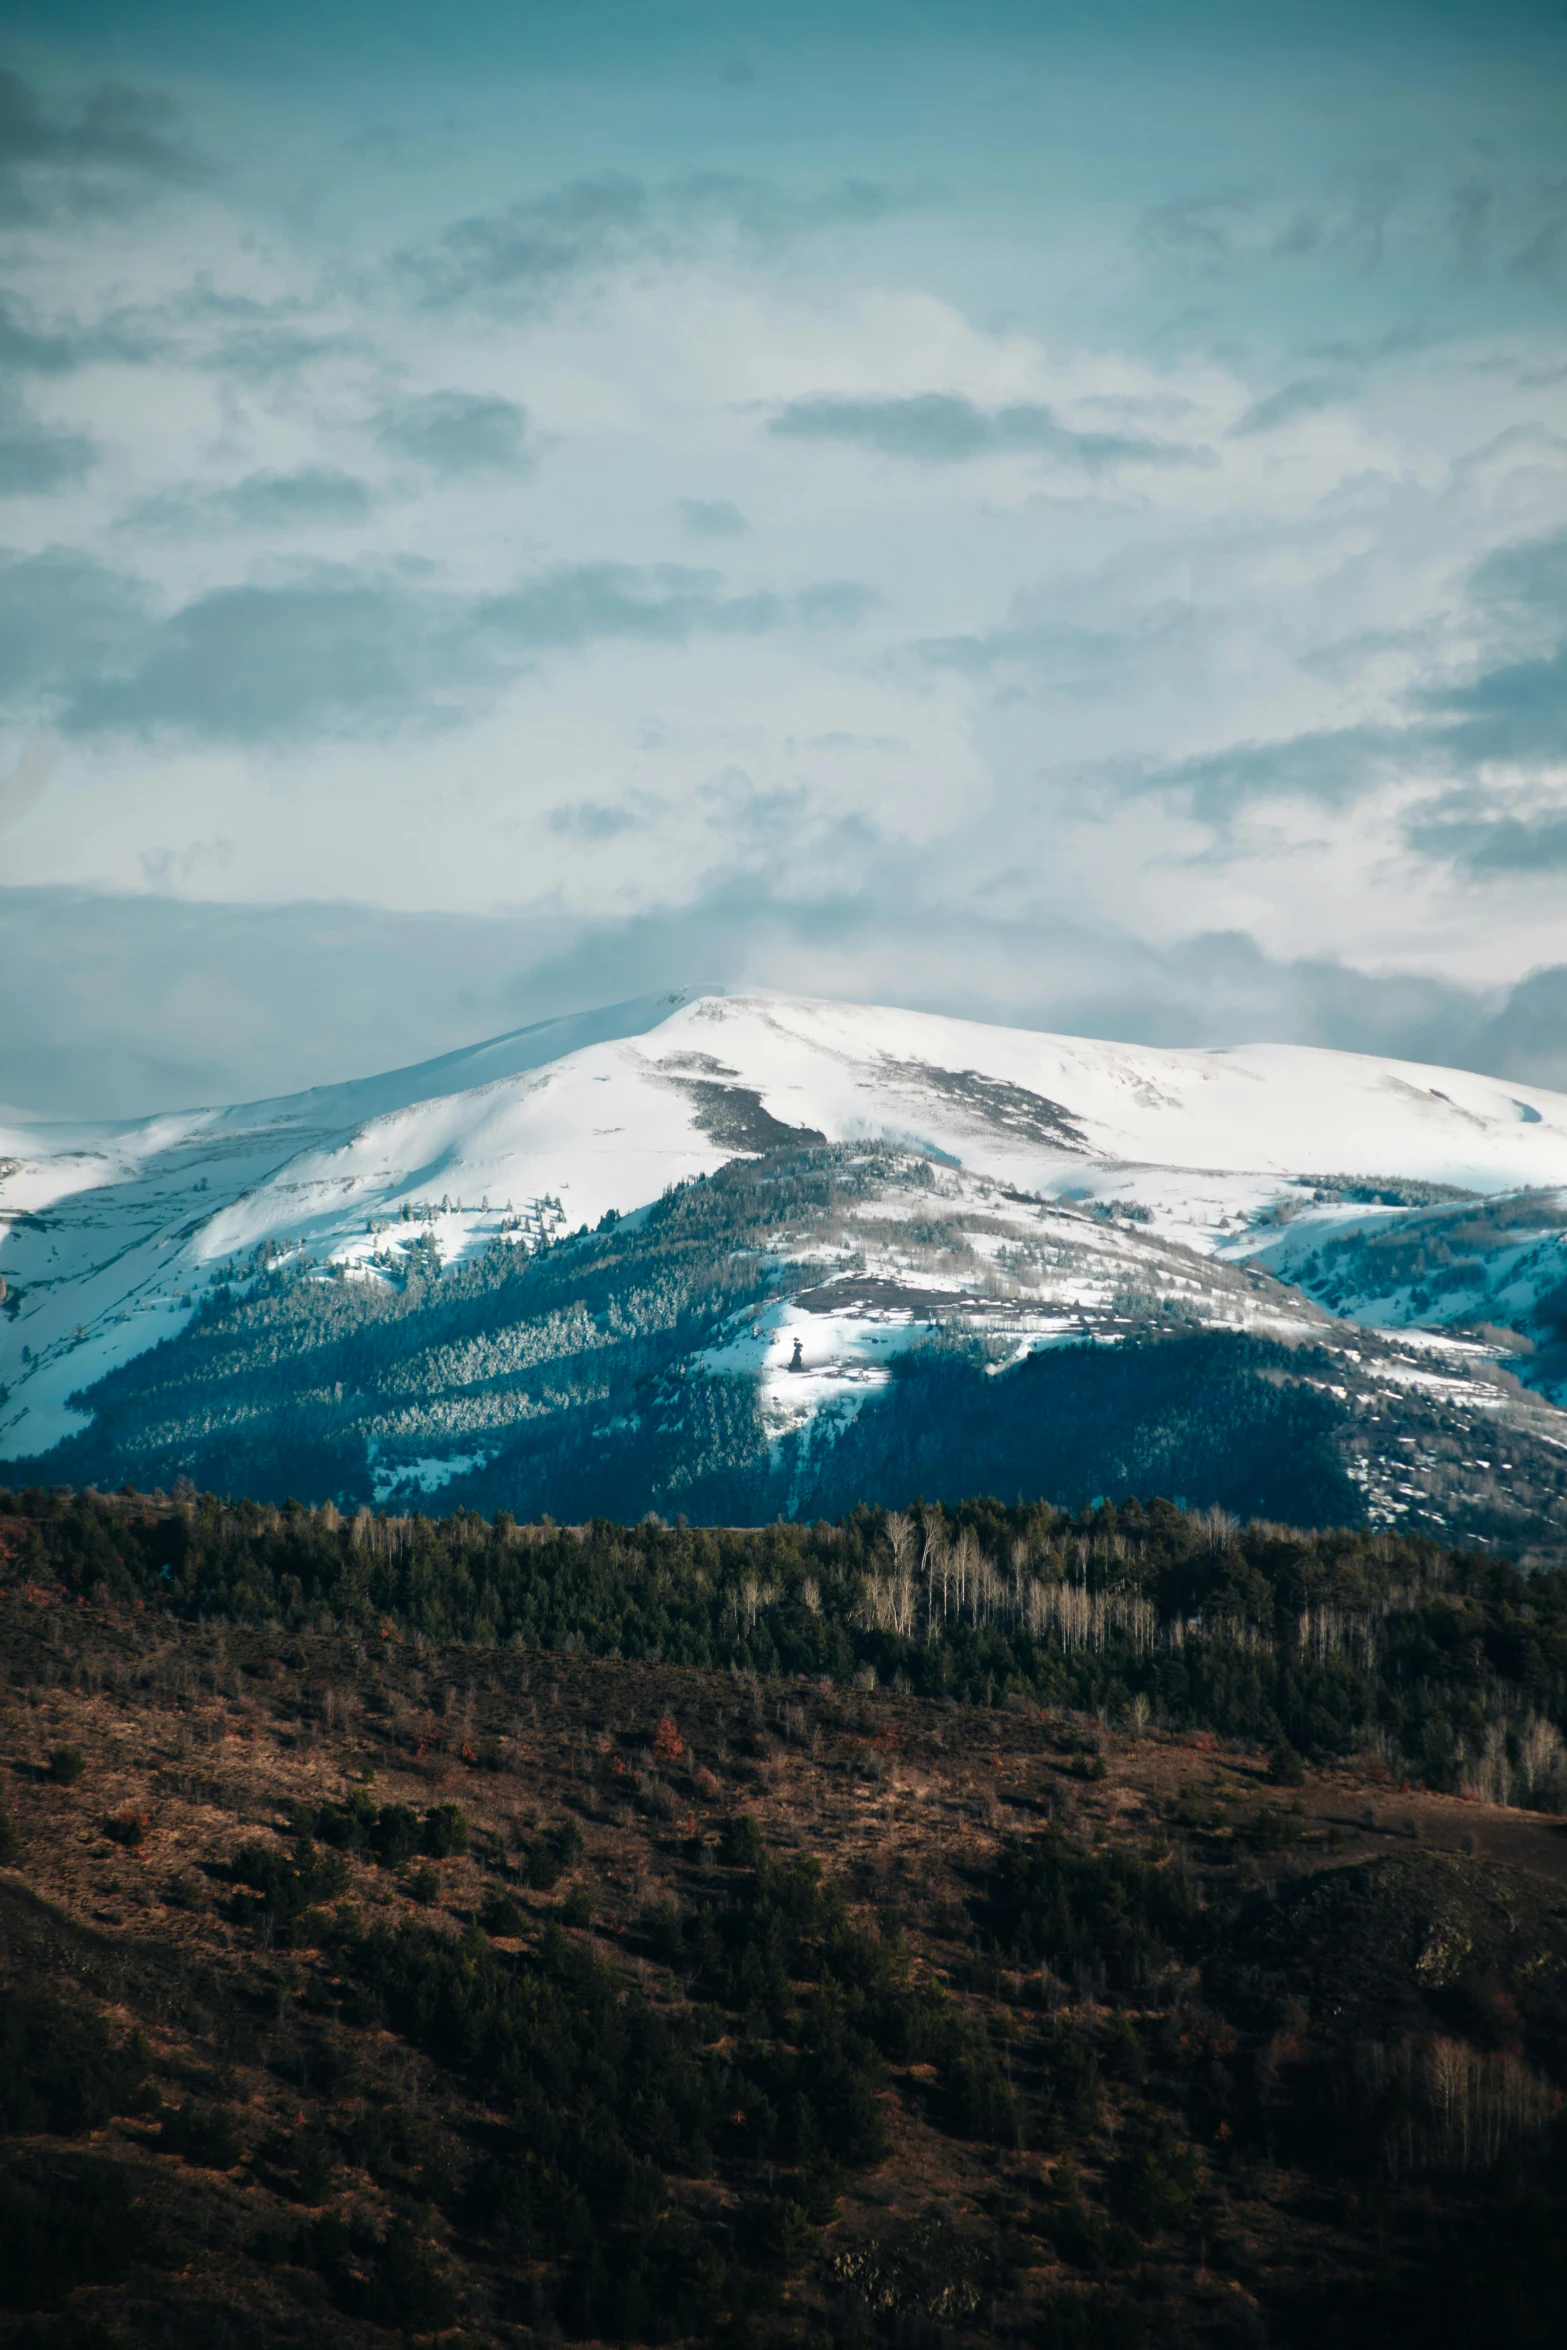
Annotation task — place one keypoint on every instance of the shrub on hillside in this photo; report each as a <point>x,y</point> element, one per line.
<point>205,2136</point>
<point>60,2071</point>
<point>444,1832</point>
<point>60,2230</point>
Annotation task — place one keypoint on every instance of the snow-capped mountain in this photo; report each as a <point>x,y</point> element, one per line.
<point>1020,1190</point>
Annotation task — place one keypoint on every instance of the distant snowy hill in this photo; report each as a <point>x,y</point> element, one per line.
<point>988,1189</point>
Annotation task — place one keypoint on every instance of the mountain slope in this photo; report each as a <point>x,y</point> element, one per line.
<point>838,1250</point>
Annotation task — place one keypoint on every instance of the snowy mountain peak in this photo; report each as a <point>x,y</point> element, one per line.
<point>1295,1159</point>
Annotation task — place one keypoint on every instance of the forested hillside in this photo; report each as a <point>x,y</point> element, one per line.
<point>358,1984</point>
<point>1449,1666</point>
<point>627,1370</point>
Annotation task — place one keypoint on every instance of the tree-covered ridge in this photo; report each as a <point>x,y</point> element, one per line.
<point>680,2006</point>
<point>284,1375</point>
<point>1451,1666</point>
<point>615,1372</point>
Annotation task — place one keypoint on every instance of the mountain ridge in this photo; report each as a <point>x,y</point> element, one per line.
<point>915,1183</point>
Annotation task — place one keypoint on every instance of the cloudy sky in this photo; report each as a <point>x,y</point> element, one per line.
<point>1056,513</point>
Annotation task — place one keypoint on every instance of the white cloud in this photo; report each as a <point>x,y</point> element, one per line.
<point>1154,635</point>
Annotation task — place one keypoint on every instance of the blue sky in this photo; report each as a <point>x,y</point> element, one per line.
<point>1048,513</point>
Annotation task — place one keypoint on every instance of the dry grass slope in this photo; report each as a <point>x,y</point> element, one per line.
<point>1145,2090</point>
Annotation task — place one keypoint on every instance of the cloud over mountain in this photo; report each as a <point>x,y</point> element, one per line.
<point>994,509</point>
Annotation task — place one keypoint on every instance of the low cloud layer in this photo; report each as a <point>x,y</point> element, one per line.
<point>140,1004</point>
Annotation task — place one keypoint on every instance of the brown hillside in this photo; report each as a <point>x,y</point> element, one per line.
<point>1235,2136</point>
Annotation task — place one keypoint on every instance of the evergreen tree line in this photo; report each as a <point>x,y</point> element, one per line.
<point>1450,1666</point>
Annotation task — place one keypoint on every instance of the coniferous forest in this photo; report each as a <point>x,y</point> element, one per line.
<point>597,1374</point>
<point>945,1926</point>
<point>1450,1665</point>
